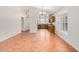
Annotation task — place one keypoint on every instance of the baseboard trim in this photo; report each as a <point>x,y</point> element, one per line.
<point>66,42</point>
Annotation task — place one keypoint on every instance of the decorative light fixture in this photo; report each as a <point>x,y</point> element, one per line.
<point>42,13</point>
<point>42,16</point>
<point>27,13</point>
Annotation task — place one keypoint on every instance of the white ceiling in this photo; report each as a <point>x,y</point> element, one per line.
<point>51,9</point>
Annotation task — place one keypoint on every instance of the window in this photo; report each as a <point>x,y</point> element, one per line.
<point>64,22</point>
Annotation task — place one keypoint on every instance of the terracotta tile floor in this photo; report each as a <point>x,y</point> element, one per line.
<point>42,41</point>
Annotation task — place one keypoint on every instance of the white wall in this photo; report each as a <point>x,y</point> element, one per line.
<point>10,21</point>
<point>72,36</point>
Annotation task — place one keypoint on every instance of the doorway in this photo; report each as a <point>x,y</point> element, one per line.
<point>22,24</point>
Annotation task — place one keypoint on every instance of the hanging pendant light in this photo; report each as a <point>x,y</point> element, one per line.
<point>42,13</point>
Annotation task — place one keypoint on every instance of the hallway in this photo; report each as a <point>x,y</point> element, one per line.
<point>42,41</point>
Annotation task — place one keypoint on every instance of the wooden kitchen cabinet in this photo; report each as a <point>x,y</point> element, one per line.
<point>51,28</point>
